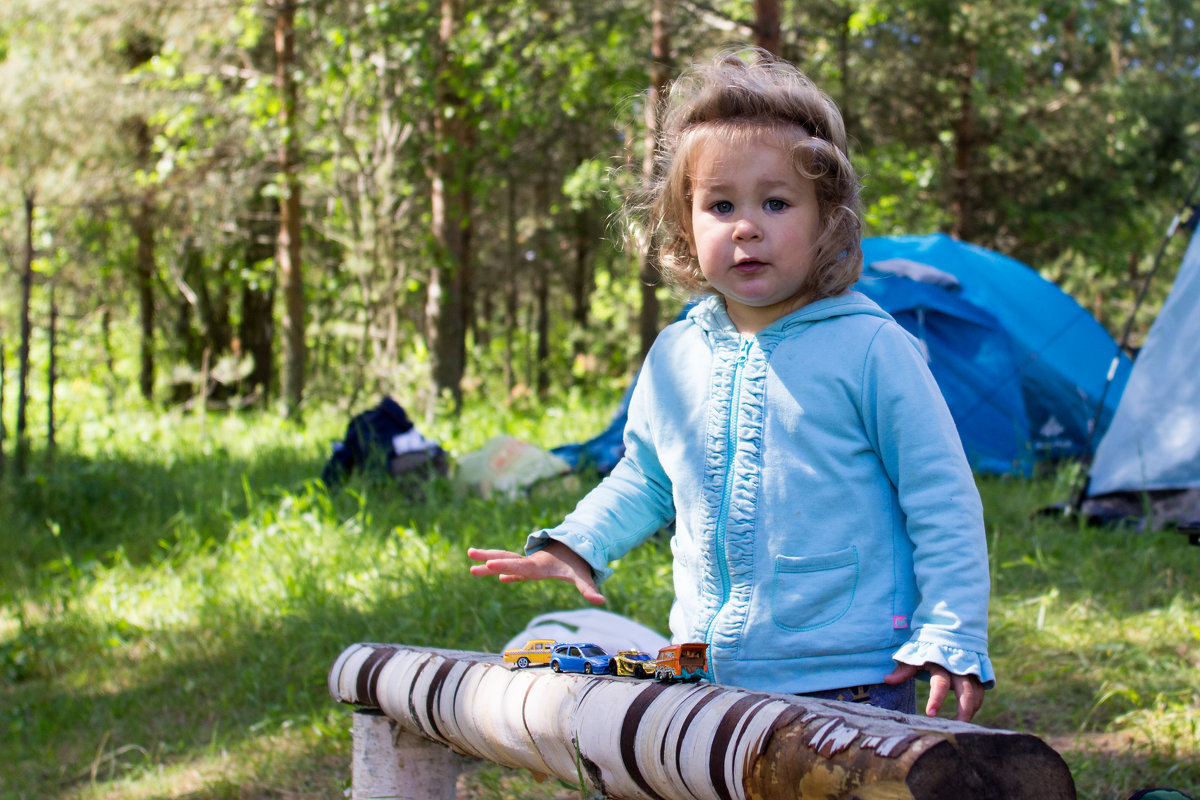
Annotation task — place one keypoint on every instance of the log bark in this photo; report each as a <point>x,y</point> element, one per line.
<point>390,762</point>
<point>642,740</point>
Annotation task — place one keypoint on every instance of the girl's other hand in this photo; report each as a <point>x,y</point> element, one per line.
<point>967,688</point>
<point>555,560</point>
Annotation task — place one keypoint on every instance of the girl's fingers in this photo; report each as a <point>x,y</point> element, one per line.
<point>551,562</point>
<point>970,697</point>
<point>588,590</point>
<point>492,562</point>
<point>939,687</point>
<point>900,674</point>
<point>475,554</point>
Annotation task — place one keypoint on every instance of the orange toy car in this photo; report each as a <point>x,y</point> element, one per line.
<point>682,662</point>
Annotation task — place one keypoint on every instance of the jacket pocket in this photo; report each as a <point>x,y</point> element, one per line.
<point>687,584</point>
<point>810,592</point>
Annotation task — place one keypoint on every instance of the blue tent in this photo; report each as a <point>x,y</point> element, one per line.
<point>1021,364</point>
<point>604,450</point>
<point>1033,397</point>
<point>970,354</point>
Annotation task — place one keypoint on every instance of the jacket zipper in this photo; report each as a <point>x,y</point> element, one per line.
<point>731,439</point>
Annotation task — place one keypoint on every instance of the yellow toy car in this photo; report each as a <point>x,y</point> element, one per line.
<point>535,651</point>
<point>633,663</point>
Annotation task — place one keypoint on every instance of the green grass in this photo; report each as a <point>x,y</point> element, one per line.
<point>175,589</point>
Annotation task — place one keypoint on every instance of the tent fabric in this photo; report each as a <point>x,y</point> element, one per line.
<point>973,360</point>
<point>1154,440</point>
<point>604,450</point>
<point>1060,354</point>
<point>1021,364</point>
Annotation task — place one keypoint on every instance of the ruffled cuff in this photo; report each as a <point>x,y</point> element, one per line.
<point>956,660</point>
<point>583,546</point>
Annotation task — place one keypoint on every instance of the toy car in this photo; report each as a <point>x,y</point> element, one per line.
<point>682,662</point>
<point>580,657</point>
<point>634,663</point>
<point>535,651</point>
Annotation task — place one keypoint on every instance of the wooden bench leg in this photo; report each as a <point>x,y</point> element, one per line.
<point>392,763</point>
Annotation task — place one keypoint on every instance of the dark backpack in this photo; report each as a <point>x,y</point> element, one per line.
<point>368,446</point>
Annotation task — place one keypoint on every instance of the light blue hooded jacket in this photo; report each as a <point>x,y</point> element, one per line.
<point>826,519</point>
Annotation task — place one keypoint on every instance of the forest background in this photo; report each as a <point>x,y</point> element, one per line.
<point>282,209</point>
<point>323,201</point>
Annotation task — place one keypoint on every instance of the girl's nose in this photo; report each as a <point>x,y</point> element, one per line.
<point>746,229</point>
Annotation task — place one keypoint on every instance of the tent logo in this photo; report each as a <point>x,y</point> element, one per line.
<point>1052,438</point>
<point>1052,429</point>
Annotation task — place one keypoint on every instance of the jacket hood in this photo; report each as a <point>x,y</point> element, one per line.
<point>710,314</point>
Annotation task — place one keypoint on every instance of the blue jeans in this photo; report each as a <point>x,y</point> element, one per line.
<point>902,697</point>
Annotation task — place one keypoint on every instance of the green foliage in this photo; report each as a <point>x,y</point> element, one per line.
<point>1023,129</point>
<point>1063,135</point>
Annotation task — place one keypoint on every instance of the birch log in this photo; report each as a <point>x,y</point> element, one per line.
<point>642,740</point>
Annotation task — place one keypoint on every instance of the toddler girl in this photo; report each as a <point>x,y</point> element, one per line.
<point>828,533</point>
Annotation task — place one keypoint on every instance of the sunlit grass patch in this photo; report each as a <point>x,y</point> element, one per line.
<point>169,620</point>
<point>293,761</point>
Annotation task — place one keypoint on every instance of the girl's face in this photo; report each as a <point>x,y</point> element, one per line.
<point>755,221</point>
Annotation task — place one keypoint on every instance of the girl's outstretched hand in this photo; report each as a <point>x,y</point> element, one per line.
<point>967,688</point>
<point>555,560</point>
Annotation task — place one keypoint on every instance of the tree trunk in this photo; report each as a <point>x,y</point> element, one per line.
<point>110,359</point>
<point>3,429</point>
<point>582,273</point>
<point>212,296</point>
<point>848,108</point>
<point>660,70</point>
<point>256,332</point>
<point>189,305</point>
<point>964,145</point>
<point>542,287</point>
<point>512,289</point>
<point>22,430</point>
<point>766,25</point>
<point>630,738</point>
<point>291,274</point>
<point>137,50</point>
<point>145,268</point>
<point>582,281</point>
<point>450,208</point>
<point>51,374</point>
<point>256,328</point>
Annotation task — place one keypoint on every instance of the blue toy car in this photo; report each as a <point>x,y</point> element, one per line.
<point>580,657</point>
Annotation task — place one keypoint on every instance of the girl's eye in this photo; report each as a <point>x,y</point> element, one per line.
<point>722,206</point>
<point>775,204</point>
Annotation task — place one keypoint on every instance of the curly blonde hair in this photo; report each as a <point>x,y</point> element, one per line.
<point>734,100</point>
